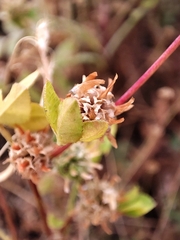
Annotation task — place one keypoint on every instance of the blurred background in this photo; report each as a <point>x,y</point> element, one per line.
<point>107,36</point>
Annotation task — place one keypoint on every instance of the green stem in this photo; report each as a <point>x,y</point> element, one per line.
<point>70,207</point>
<point>72,197</point>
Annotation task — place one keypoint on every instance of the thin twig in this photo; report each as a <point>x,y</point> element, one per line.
<point>8,216</point>
<point>4,148</point>
<point>18,191</point>
<point>136,86</point>
<point>30,40</point>
<point>5,174</point>
<point>41,208</point>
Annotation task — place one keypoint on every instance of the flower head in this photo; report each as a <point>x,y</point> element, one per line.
<point>96,102</point>
<point>29,153</point>
<point>76,164</point>
<point>97,203</point>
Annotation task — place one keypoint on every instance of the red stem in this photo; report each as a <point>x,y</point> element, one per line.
<point>58,150</point>
<point>149,72</point>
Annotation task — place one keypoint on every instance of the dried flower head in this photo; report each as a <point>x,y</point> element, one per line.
<point>97,203</point>
<point>96,102</point>
<point>29,153</point>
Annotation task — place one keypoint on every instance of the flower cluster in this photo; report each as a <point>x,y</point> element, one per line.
<point>30,153</point>
<point>97,203</point>
<point>76,163</point>
<point>96,102</point>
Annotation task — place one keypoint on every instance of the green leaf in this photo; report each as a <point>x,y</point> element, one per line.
<point>131,194</point>
<point>143,204</point>
<point>29,80</point>
<point>66,121</point>
<point>51,104</point>
<point>69,124</point>
<point>37,119</point>
<point>136,204</point>
<point>93,130</point>
<point>15,108</point>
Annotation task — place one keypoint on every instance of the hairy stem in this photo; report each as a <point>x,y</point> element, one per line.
<point>41,208</point>
<point>149,72</point>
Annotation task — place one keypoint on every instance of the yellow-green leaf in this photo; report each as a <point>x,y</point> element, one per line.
<point>131,195</point>
<point>93,130</point>
<point>15,108</point>
<point>136,204</point>
<point>37,119</point>
<point>142,205</point>
<point>69,124</point>
<point>51,104</point>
